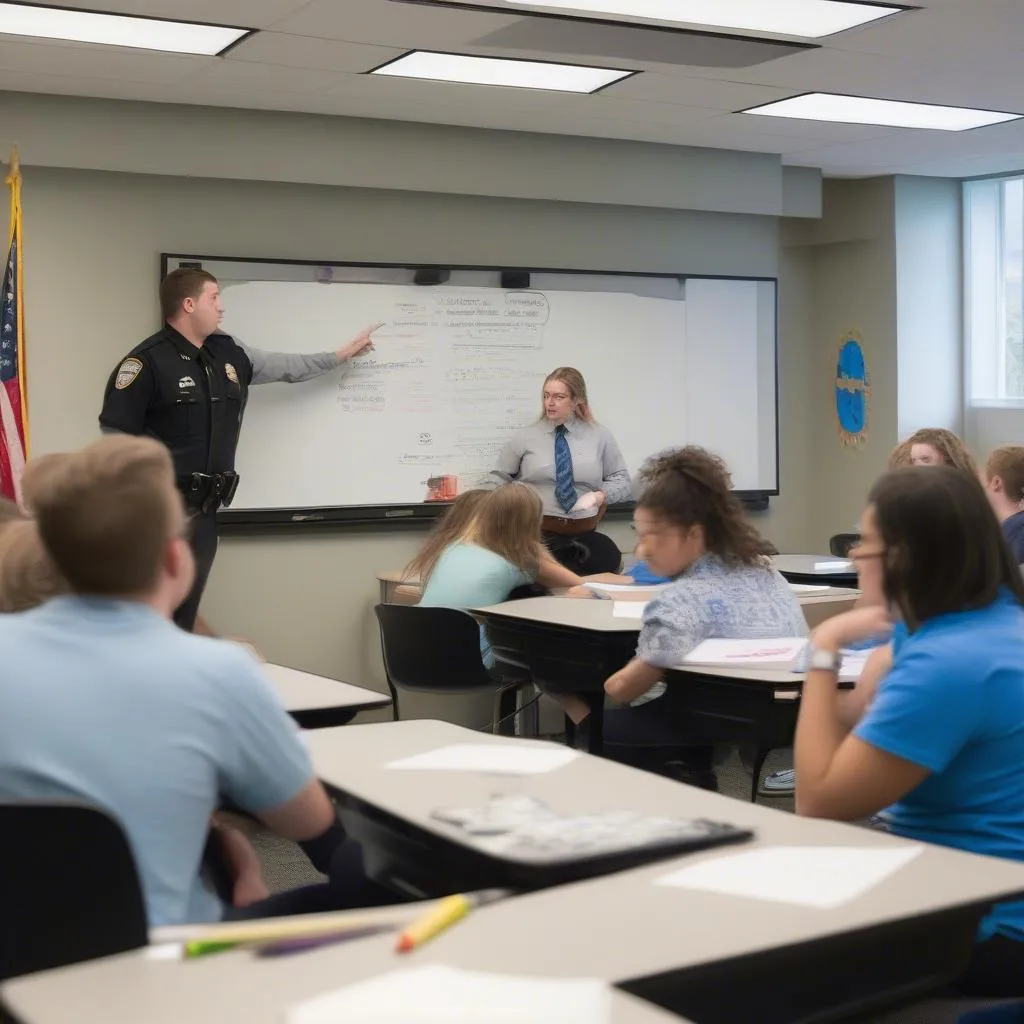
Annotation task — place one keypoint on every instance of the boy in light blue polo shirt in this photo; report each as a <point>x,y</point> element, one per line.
<point>104,700</point>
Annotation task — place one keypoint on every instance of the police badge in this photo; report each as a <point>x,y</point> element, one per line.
<point>127,372</point>
<point>232,373</point>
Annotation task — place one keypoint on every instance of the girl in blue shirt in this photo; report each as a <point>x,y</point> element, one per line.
<point>937,742</point>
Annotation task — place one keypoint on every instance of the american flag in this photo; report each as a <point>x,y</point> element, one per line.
<point>13,408</point>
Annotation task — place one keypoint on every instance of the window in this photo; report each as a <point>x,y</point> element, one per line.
<point>994,291</point>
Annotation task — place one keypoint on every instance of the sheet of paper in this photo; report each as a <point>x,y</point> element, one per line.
<point>852,665</point>
<point>810,876</point>
<point>523,758</point>
<point>746,653</point>
<point>807,588</point>
<point>842,565</point>
<point>622,588</point>
<point>628,609</point>
<point>448,995</point>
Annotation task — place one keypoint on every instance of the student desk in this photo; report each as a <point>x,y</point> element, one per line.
<point>800,569</point>
<point>573,645</point>
<point>228,988</point>
<point>316,702</point>
<point>396,589</point>
<point>714,958</point>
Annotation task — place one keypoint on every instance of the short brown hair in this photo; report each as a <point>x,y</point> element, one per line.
<point>692,487</point>
<point>573,380</point>
<point>28,576</point>
<point>9,512</point>
<point>106,513</point>
<point>1007,463</point>
<point>953,451</point>
<point>179,285</point>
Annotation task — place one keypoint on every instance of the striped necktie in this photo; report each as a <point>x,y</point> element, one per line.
<point>565,492</point>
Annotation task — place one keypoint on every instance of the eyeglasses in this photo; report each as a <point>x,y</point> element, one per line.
<point>857,554</point>
<point>555,398</point>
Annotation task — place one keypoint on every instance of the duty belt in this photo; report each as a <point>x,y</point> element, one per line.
<point>206,492</point>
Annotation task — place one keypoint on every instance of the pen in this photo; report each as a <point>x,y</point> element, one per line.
<point>288,946</point>
<point>443,916</point>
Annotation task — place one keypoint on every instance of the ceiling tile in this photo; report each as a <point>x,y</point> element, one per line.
<point>694,92</point>
<point>306,52</point>
<point>97,62</point>
<point>240,74</point>
<point>244,13</point>
<point>391,24</point>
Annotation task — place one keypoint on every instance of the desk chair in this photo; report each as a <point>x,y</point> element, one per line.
<point>840,544</point>
<point>437,650</point>
<point>69,887</point>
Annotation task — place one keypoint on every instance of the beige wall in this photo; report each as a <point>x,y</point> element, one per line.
<point>847,264</point>
<point>92,244</point>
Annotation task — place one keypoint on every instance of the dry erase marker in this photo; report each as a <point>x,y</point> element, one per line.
<point>450,910</point>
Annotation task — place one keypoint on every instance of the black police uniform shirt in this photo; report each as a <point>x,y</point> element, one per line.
<point>192,399</point>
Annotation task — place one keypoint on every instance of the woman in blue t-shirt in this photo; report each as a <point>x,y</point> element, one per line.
<point>939,747</point>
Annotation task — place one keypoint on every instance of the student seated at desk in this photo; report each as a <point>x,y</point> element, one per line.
<point>1004,484</point>
<point>933,446</point>
<point>693,529</point>
<point>939,747</point>
<point>103,699</point>
<point>499,549</point>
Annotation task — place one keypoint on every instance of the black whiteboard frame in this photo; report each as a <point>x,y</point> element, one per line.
<point>420,513</point>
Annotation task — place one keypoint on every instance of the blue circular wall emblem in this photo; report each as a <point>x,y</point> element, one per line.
<point>852,390</point>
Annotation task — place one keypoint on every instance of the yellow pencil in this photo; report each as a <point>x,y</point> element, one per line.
<point>443,916</point>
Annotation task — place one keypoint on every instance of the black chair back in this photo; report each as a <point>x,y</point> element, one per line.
<point>68,887</point>
<point>840,544</point>
<point>431,649</point>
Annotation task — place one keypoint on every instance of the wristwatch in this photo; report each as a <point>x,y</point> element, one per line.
<point>826,661</point>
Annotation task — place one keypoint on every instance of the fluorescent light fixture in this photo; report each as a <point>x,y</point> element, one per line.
<point>517,74</point>
<point>824,106</point>
<point>116,29</point>
<point>808,18</point>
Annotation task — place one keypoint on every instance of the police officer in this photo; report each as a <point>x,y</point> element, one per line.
<point>187,386</point>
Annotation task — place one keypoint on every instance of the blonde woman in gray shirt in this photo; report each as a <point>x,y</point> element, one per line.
<point>575,466</point>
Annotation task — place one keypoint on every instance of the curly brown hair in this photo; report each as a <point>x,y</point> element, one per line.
<point>692,487</point>
<point>953,451</point>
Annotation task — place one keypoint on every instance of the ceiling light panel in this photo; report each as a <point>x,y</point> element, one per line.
<point>517,74</point>
<point>808,18</point>
<point>117,29</point>
<point>823,106</point>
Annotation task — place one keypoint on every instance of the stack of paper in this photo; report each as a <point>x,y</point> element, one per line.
<point>840,565</point>
<point>448,995</point>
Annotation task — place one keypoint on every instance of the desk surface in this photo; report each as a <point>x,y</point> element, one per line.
<point>650,923</point>
<point>303,691</point>
<point>598,616</point>
<point>803,565</point>
<point>229,988</point>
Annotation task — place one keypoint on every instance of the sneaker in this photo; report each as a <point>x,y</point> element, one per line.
<point>782,783</point>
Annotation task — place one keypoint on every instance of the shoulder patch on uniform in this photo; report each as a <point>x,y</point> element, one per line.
<point>127,372</point>
<point>231,372</point>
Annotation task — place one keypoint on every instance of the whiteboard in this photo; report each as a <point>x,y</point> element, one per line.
<point>458,367</point>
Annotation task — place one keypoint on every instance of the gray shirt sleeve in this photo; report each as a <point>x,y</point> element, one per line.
<point>510,462</point>
<point>616,483</point>
<point>288,367</point>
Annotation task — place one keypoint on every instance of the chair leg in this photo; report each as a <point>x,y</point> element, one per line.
<point>506,703</point>
<point>756,768</point>
<point>529,717</point>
